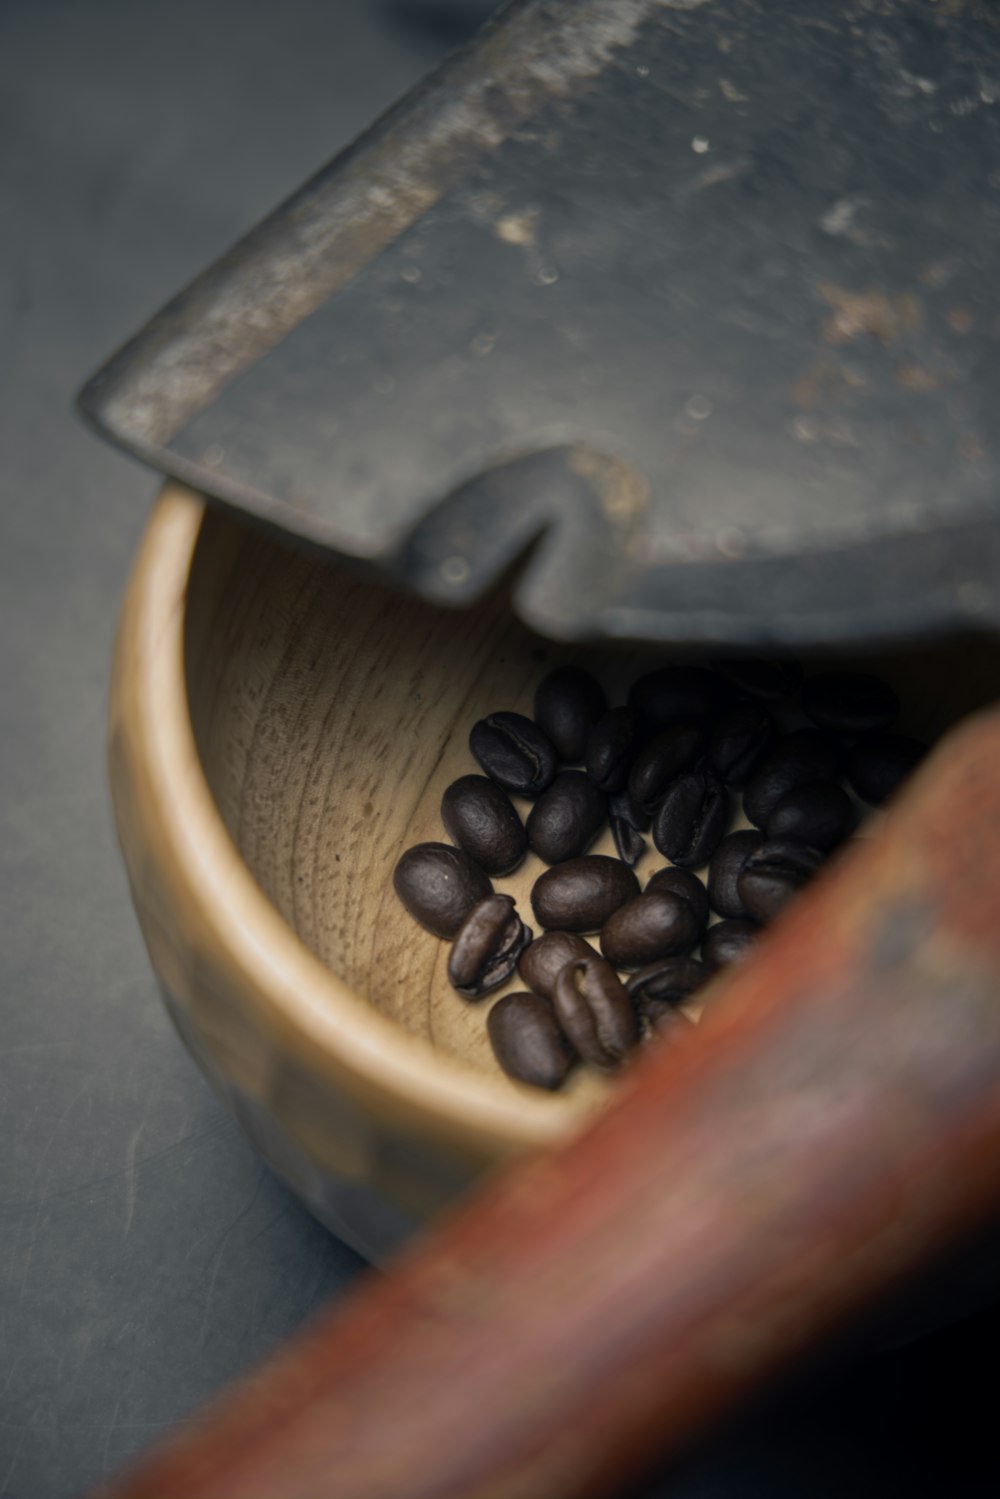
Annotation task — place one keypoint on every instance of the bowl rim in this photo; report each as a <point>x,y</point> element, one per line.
<point>331,1029</point>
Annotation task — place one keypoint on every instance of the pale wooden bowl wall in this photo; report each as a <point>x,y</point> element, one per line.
<point>282,729</point>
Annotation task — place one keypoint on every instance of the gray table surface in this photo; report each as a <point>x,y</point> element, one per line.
<point>146,1255</point>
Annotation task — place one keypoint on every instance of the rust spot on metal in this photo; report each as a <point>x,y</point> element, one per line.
<point>868,314</point>
<point>825,383</point>
<point>960,320</point>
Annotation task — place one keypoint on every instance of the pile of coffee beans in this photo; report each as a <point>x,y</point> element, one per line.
<point>799,754</point>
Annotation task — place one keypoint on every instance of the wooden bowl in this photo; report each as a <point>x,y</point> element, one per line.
<point>281,729</point>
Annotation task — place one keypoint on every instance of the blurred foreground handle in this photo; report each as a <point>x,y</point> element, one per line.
<point>832,1127</point>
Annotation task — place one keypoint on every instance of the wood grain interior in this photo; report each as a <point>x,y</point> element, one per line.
<point>331,712</point>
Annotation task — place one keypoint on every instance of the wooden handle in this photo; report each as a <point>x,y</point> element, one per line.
<point>833,1126</point>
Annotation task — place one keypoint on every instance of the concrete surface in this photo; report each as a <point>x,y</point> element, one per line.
<point>146,1256</point>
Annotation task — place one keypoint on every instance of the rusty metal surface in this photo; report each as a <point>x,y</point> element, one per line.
<point>702,293</point>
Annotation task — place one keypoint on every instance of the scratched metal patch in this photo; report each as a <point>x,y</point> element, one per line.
<point>689,309</point>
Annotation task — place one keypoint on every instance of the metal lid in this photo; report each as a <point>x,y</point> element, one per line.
<point>688,307</point>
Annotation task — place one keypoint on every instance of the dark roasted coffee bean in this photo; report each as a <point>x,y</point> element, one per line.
<point>667,1024</point>
<point>668,982</point>
<point>682,882</point>
<point>725,869</point>
<point>567,703</point>
<point>662,760</point>
<point>728,942</point>
<point>820,813</point>
<point>849,702</point>
<point>774,874</point>
<point>514,752</point>
<point>566,818</point>
<point>628,823</point>
<point>481,819</point>
<point>691,818</point>
<point>487,947</point>
<point>630,845</point>
<point>805,755</point>
<point>527,1040</point>
<point>738,740</point>
<point>769,680</point>
<point>581,894</point>
<point>880,763</point>
<point>610,749</point>
<point>439,885</point>
<point>676,694</point>
<point>655,925</point>
<point>594,1011</point>
<point>540,962</point>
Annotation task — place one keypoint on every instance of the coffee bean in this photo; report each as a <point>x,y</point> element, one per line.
<point>774,874</point>
<point>768,680</point>
<point>610,749</point>
<point>567,703</point>
<point>439,885</point>
<point>878,765</point>
<point>738,740</point>
<point>628,823</point>
<point>481,819</point>
<point>849,702</point>
<point>668,982</point>
<point>581,894</point>
<point>595,1012</point>
<point>540,962</point>
<point>566,818</point>
<point>691,818</point>
<point>487,947</point>
<point>514,752</point>
<point>685,884</point>
<point>820,813</point>
<point>728,942</point>
<point>667,1024</point>
<point>629,845</point>
<point>527,1040</point>
<point>657,924</point>
<point>661,761</point>
<point>676,694</point>
<point>725,869</point>
<point>805,755</point>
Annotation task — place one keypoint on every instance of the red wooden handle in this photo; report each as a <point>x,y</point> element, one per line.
<point>833,1125</point>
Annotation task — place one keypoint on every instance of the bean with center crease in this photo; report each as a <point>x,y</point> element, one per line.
<point>439,885</point>
<point>657,924</point>
<point>581,894</point>
<point>662,760</point>
<point>566,818</point>
<point>480,817</point>
<point>769,680</point>
<point>610,749</point>
<point>487,947</point>
<point>685,884</point>
<point>725,869</point>
<point>527,1040</point>
<point>595,1012</point>
<point>514,752</point>
<point>774,874</point>
<point>728,942</point>
<point>668,982</point>
<point>568,702</point>
<point>691,818</point>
